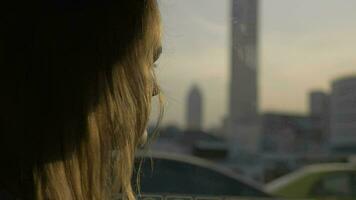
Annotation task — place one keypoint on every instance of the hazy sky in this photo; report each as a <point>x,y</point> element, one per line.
<point>304,45</point>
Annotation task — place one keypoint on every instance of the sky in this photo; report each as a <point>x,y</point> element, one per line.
<point>304,46</point>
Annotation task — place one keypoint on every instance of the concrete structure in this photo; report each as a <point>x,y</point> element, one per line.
<point>243,128</point>
<point>286,134</point>
<point>318,103</point>
<point>194,112</point>
<point>319,112</point>
<point>244,137</point>
<point>244,60</point>
<point>343,115</point>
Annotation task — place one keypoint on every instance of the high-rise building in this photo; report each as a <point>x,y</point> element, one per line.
<point>318,103</point>
<point>244,128</point>
<point>244,61</point>
<point>343,115</point>
<point>194,113</point>
<point>319,112</point>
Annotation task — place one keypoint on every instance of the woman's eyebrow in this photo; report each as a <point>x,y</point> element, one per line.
<point>157,53</point>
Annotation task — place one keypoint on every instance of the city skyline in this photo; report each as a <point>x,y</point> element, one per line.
<point>294,48</point>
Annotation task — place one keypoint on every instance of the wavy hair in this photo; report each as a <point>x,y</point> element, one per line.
<point>76,85</point>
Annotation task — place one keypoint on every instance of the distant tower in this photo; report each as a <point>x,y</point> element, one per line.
<point>194,113</point>
<point>244,61</point>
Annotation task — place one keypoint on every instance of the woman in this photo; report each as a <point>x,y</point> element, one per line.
<point>76,86</point>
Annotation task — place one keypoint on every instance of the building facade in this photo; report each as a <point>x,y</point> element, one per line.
<point>244,60</point>
<point>243,127</point>
<point>319,112</point>
<point>318,103</point>
<point>343,115</point>
<point>286,134</point>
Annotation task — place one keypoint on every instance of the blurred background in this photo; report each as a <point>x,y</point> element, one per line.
<point>263,88</point>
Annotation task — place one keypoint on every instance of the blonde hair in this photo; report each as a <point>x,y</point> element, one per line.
<point>82,87</point>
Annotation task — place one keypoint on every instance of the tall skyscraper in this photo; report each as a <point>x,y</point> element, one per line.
<point>194,113</point>
<point>244,128</point>
<point>244,61</point>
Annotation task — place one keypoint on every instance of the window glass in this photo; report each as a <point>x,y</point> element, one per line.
<point>261,88</point>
